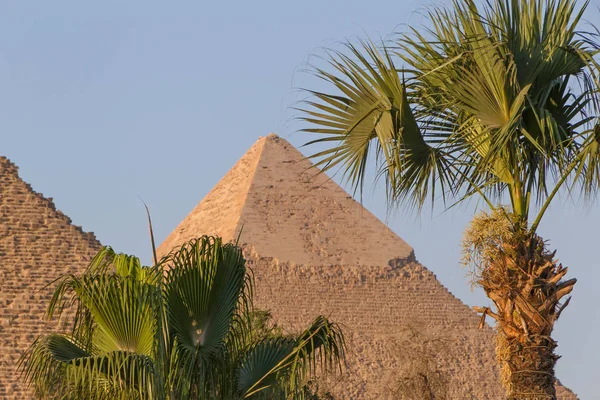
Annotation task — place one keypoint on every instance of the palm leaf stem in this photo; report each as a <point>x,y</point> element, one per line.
<point>570,168</point>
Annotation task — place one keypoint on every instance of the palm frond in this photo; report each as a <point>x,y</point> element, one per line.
<point>258,373</point>
<point>205,299</point>
<point>286,363</point>
<point>492,99</point>
<point>371,107</point>
<point>112,346</point>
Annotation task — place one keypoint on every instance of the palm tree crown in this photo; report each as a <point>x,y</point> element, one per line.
<point>488,101</point>
<point>186,333</point>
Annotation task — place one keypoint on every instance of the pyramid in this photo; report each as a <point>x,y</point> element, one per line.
<point>316,251</point>
<point>38,244</point>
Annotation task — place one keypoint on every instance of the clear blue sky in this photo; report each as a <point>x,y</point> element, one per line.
<point>103,102</point>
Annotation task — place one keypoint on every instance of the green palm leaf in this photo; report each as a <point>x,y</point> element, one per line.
<point>289,361</point>
<point>258,372</point>
<point>205,300</point>
<point>483,105</point>
<point>113,352</point>
<point>373,108</point>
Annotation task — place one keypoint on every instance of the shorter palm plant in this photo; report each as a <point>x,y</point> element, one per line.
<point>179,330</point>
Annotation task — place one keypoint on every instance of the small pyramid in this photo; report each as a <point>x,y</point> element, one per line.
<point>38,244</point>
<point>316,251</point>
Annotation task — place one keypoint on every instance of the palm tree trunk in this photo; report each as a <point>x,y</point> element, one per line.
<point>525,283</point>
<point>528,366</point>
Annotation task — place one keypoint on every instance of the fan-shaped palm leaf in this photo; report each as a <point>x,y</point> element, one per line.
<point>204,291</point>
<point>282,364</point>
<point>113,349</point>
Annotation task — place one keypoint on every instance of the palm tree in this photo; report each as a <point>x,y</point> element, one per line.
<point>498,101</point>
<point>179,330</point>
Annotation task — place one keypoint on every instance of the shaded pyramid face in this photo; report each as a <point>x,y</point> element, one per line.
<point>38,244</point>
<point>316,251</point>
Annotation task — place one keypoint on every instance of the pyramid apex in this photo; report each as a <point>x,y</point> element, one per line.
<point>7,164</point>
<point>269,137</point>
<point>282,207</point>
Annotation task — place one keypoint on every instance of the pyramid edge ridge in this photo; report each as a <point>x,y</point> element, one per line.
<point>161,250</point>
<point>13,168</point>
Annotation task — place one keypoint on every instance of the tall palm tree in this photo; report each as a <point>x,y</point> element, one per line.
<point>498,101</point>
<point>179,330</point>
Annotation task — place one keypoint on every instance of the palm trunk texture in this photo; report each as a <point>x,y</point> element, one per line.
<point>525,282</point>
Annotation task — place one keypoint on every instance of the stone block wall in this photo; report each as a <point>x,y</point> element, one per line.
<point>388,315</point>
<point>38,244</point>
